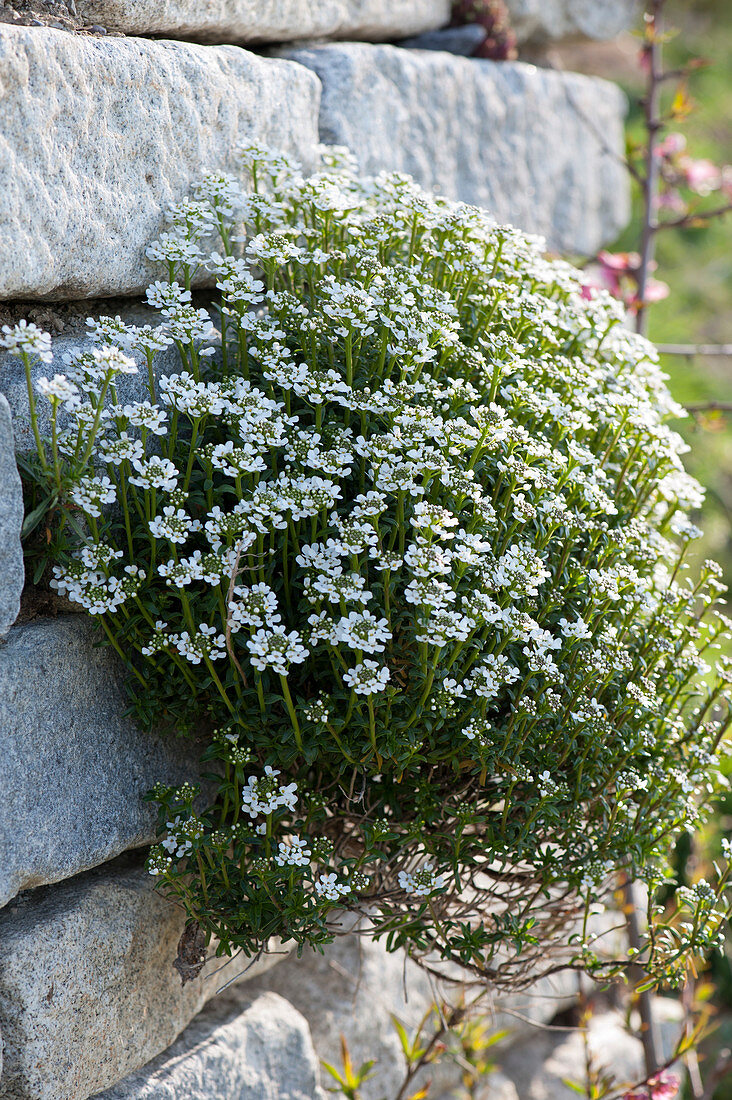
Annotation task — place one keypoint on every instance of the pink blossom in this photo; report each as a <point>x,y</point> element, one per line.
<point>656,290</point>
<point>672,201</point>
<point>671,145</point>
<point>702,176</point>
<point>664,1086</point>
<point>619,261</point>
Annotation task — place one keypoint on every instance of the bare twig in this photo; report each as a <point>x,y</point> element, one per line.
<point>693,218</point>
<point>690,350</point>
<point>710,406</point>
<point>654,124</point>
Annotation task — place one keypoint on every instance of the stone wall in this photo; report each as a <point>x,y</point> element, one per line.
<point>99,132</point>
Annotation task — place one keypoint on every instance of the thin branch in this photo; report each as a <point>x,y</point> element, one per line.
<point>693,218</point>
<point>690,350</point>
<point>710,406</point>
<point>654,124</point>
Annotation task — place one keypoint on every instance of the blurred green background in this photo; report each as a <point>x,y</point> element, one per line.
<point>697,266</point>
<point>697,263</point>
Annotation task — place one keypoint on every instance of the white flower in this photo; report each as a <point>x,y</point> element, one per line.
<point>196,399</point>
<point>264,794</point>
<point>277,649</point>
<point>167,295</point>
<point>154,473</point>
<point>60,390</point>
<point>112,361</point>
<point>367,678</point>
<point>144,415</point>
<point>91,492</point>
<point>236,461</point>
<point>327,886</point>
<point>422,881</point>
<point>362,631</point>
<point>203,643</point>
<point>577,629</point>
<point>119,449</point>
<point>495,670</point>
<point>27,339</point>
<point>174,525</point>
<point>293,853</point>
<point>255,606</point>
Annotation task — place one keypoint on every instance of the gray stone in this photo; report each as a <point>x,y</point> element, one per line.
<point>498,1087</point>
<point>540,149</point>
<point>88,993</point>
<point>238,1048</point>
<point>353,989</point>
<point>99,135</point>
<point>537,22</point>
<point>268,20</point>
<point>356,986</point>
<point>12,574</point>
<point>73,767</point>
<point>463,41</point>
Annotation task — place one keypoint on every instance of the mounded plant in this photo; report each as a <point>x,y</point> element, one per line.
<point>404,537</point>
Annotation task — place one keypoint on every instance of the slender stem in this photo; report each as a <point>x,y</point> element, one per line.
<point>33,412</point>
<point>291,711</point>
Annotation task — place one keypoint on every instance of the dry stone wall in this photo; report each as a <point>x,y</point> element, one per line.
<point>98,134</point>
<point>87,990</point>
<point>255,21</point>
<point>74,767</point>
<point>478,131</point>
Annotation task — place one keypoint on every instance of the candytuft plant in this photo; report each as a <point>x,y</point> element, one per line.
<point>404,538</point>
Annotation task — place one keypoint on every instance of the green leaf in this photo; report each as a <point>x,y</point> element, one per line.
<point>33,518</point>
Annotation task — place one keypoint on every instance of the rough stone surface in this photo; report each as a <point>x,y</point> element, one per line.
<point>356,986</point>
<point>11,519</point>
<point>99,135</point>
<point>238,1048</point>
<point>268,20</point>
<point>88,993</point>
<point>537,148</point>
<point>73,768</point>
<point>540,21</point>
<point>352,989</point>
<point>541,1068</point>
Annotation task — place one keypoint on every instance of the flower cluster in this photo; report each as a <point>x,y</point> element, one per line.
<point>406,533</point>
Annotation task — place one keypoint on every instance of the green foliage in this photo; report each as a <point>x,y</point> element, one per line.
<point>405,541</point>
